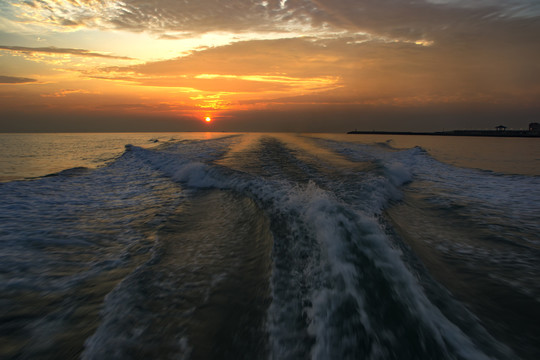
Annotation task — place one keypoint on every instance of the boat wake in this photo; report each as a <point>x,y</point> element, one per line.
<point>247,246</point>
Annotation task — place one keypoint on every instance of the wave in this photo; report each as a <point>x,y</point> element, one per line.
<point>338,286</point>
<point>177,234</point>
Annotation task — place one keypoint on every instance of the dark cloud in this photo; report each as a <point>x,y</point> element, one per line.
<point>67,22</point>
<point>95,121</point>
<point>309,118</point>
<point>439,21</point>
<point>15,80</point>
<point>165,15</point>
<point>213,15</point>
<point>410,20</point>
<point>55,50</point>
<point>346,117</point>
<point>467,27</point>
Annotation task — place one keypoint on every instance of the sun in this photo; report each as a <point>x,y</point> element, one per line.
<point>208,119</point>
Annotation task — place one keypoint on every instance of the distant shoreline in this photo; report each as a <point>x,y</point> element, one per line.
<point>488,133</point>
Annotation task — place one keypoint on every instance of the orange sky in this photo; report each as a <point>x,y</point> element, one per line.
<point>289,65</point>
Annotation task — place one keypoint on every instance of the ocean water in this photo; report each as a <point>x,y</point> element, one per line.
<point>269,246</point>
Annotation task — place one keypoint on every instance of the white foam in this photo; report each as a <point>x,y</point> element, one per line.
<point>196,174</point>
<point>331,275</point>
<point>344,234</point>
<point>327,256</point>
<point>398,173</point>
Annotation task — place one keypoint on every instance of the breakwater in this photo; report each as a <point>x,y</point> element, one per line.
<point>493,133</point>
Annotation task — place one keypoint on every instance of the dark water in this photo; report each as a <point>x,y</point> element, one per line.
<point>271,246</point>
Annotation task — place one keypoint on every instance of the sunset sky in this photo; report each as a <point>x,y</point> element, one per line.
<point>276,65</point>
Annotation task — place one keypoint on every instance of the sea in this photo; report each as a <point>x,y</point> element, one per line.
<point>269,246</point>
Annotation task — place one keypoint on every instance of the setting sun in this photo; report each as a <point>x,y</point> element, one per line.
<point>208,119</point>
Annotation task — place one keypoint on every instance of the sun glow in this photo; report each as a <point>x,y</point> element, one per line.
<point>208,119</point>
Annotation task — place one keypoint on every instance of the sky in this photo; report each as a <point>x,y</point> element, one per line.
<point>273,65</point>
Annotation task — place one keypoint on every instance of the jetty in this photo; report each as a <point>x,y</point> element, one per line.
<point>500,131</point>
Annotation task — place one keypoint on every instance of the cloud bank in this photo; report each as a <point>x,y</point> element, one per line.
<point>15,80</point>
<point>55,50</point>
<point>405,19</point>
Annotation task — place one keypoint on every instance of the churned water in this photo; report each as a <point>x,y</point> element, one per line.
<point>280,246</point>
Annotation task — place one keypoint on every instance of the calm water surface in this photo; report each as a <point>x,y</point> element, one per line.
<point>33,155</point>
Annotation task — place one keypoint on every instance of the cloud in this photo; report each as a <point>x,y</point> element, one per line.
<point>164,15</point>
<point>435,20</point>
<point>15,80</point>
<point>342,53</point>
<point>55,50</point>
<point>410,20</point>
<point>299,58</point>
<point>454,24</point>
<point>65,92</point>
<point>258,69</point>
<point>347,71</point>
